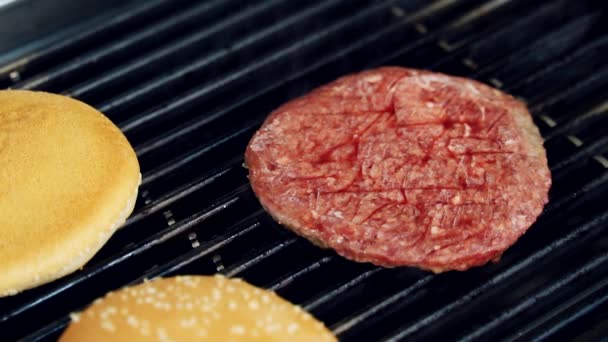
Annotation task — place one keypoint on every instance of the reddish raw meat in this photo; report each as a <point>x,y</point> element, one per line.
<point>402,167</point>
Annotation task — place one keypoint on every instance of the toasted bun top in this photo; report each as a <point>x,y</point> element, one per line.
<point>68,179</point>
<point>194,308</point>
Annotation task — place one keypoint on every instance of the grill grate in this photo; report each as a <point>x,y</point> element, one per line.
<point>190,82</point>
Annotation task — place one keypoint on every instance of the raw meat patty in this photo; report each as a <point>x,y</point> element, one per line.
<point>403,167</point>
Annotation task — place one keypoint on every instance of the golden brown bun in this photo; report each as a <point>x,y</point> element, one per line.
<point>194,308</point>
<point>68,179</point>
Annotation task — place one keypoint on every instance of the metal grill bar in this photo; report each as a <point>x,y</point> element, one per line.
<point>155,86</point>
<point>504,39</point>
<point>102,30</point>
<point>589,119</point>
<point>333,293</point>
<point>558,319</point>
<point>561,64</point>
<point>167,168</point>
<point>534,300</point>
<point>186,101</point>
<point>585,231</point>
<point>232,233</point>
<point>277,247</point>
<point>597,147</point>
<point>281,283</point>
<point>552,44</point>
<point>402,297</point>
<point>181,192</point>
<point>112,50</point>
<point>575,92</point>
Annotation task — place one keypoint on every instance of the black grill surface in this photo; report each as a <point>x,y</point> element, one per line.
<point>189,82</point>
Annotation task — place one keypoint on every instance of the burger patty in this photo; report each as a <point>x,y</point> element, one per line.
<point>403,167</point>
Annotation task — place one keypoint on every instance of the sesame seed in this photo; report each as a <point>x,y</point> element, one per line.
<point>111,310</point>
<point>273,327</point>
<point>132,321</point>
<point>216,294</point>
<point>265,298</point>
<point>232,305</point>
<point>292,328</point>
<point>254,305</point>
<point>75,317</point>
<point>188,322</point>
<point>11,292</point>
<point>188,281</point>
<point>237,330</point>
<point>162,335</point>
<point>107,325</point>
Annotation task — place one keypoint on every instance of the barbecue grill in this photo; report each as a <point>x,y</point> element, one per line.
<point>189,82</point>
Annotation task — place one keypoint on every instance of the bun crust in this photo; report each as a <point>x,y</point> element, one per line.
<point>194,308</point>
<point>68,180</point>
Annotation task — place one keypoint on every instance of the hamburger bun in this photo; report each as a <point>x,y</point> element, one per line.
<point>68,180</point>
<point>194,308</point>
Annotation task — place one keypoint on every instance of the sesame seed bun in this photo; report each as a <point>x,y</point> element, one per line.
<point>68,180</point>
<point>194,308</point>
